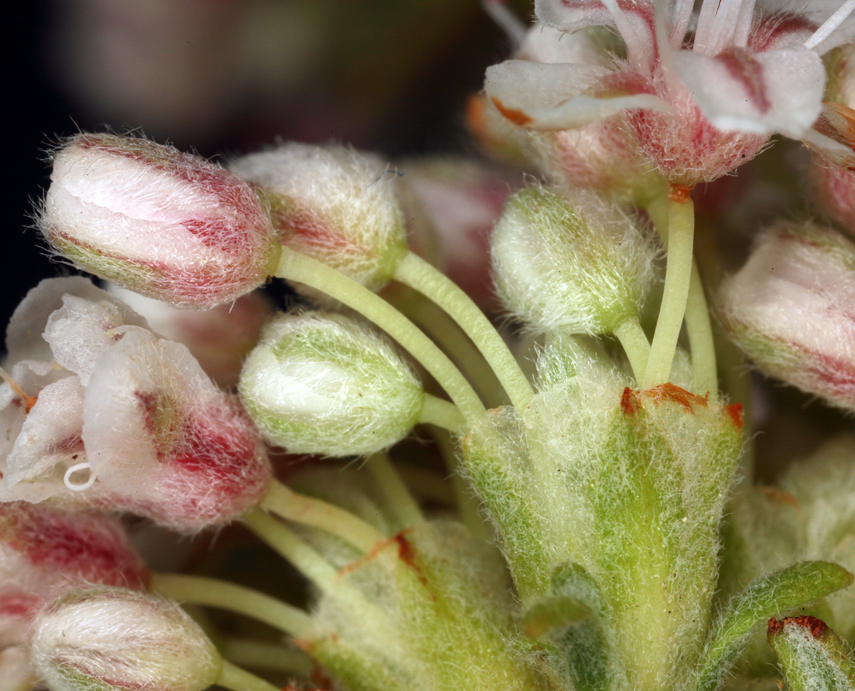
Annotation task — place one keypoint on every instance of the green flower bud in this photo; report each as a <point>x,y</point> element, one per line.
<point>578,266</point>
<point>323,383</point>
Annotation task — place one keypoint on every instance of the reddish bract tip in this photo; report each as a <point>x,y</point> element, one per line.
<point>734,411</point>
<point>517,117</point>
<point>680,193</point>
<point>813,626</point>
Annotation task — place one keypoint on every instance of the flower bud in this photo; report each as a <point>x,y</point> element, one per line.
<point>791,308</point>
<point>323,383</point>
<point>576,266</point>
<point>115,639</point>
<point>165,441</point>
<point>45,552</point>
<point>157,221</point>
<point>812,656</point>
<point>333,204</point>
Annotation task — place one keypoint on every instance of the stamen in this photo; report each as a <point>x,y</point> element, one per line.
<point>831,24</point>
<point>680,22</point>
<point>506,20</point>
<point>80,486</point>
<point>726,24</point>
<point>706,21</point>
<point>28,401</point>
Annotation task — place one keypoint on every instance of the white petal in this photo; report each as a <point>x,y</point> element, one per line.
<point>783,95</point>
<point>550,97</point>
<point>49,441</point>
<point>572,15</point>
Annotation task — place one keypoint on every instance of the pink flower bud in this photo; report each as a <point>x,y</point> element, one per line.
<point>116,639</point>
<point>158,221</point>
<point>169,443</point>
<point>791,308</point>
<point>334,204</point>
<point>835,193</point>
<point>45,552</point>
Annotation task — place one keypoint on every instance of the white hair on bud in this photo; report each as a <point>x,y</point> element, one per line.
<point>791,308</point>
<point>112,638</point>
<point>323,383</point>
<point>573,265</point>
<point>334,204</point>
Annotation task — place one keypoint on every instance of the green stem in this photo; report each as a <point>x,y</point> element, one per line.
<point>635,345</point>
<point>317,513</point>
<point>681,226</point>
<point>441,413</point>
<point>698,322</point>
<point>448,335</point>
<point>701,342</point>
<point>415,272</point>
<point>467,502</point>
<point>248,652</point>
<point>294,266</point>
<point>286,542</point>
<point>212,592</point>
<point>395,493</point>
<point>237,679</point>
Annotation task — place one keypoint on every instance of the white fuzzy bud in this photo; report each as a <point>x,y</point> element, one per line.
<point>323,383</point>
<point>112,638</point>
<point>333,204</point>
<point>577,266</point>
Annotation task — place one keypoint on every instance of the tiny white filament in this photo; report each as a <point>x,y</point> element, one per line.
<point>831,24</point>
<point>79,487</point>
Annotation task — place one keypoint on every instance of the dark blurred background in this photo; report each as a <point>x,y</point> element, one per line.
<point>223,77</point>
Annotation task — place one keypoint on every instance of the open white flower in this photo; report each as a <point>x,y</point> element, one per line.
<point>700,102</point>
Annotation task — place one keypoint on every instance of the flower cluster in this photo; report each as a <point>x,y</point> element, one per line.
<point>594,534</point>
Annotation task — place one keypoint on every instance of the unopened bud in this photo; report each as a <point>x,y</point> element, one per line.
<point>334,204</point>
<point>577,266</point>
<point>158,221</point>
<point>323,383</point>
<point>791,308</point>
<point>116,639</point>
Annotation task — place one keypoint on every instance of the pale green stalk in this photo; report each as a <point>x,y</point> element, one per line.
<point>317,513</point>
<point>294,266</point>
<point>286,543</point>
<point>395,494</point>
<point>467,502</point>
<point>697,315</point>
<point>441,413</point>
<point>212,592</point>
<point>248,652</point>
<point>681,226</point>
<point>415,272</point>
<point>635,345</point>
<point>237,679</point>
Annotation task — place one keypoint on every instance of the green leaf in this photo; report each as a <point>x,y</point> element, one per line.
<point>763,598</point>
<point>573,595</point>
<point>812,656</point>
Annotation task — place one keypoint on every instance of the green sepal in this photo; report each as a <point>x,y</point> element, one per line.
<point>763,598</point>
<point>812,656</point>
<point>573,596</point>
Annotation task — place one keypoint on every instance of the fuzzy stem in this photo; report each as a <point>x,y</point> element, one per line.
<point>442,414</point>
<point>237,679</point>
<point>701,342</point>
<point>467,502</point>
<point>681,226</point>
<point>698,322</point>
<point>294,266</point>
<point>285,542</point>
<point>448,335</point>
<point>396,495</point>
<point>418,274</point>
<point>635,344</point>
<point>317,513</point>
<point>249,652</point>
<point>211,592</point>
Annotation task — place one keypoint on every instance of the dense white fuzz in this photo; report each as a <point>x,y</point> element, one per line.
<point>323,383</point>
<point>574,265</point>
<point>334,204</point>
<point>118,639</point>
